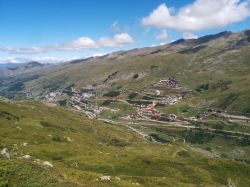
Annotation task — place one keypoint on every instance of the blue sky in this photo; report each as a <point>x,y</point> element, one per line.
<point>58,30</point>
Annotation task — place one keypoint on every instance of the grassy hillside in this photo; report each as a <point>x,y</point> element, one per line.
<point>82,150</point>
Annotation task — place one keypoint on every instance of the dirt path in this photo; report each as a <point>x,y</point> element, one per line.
<point>112,99</point>
<point>181,125</point>
<point>128,126</point>
<point>235,117</point>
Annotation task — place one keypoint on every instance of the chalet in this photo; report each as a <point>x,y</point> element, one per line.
<point>88,88</point>
<point>170,82</point>
<point>170,100</point>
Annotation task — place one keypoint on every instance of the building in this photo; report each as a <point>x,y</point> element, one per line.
<point>157,92</point>
<point>88,88</point>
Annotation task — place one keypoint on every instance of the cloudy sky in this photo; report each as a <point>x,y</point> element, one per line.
<point>60,30</point>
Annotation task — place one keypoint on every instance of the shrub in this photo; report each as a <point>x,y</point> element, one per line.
<point>208,148</point>
<point>112,93</point>
<point>132,95</point>
<point>49,125</point>
<point>198,136</point>
<point>135,76</point>
<point>62,102</point>
<point>218,127</point>
<point>106,102</point>
<point>153,67</point>
<point>243,142</point>
<point>202,87</point>
<point>158,138</point>
<point>57,157</point>
<point>146,98</point>
<point>160,105</point>
<point>184,110</point>
<point>183,153</point>
<point>9,116</point>
<point>56,138</point>
<point>118,142</point>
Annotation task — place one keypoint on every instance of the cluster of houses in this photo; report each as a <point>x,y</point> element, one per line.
<point>168,117</point>
<point>80,99</point>
<point>215,113</point>
<point>170,100</point>
<point>202,115</point>
<point>206,114</point>
<point>170,82</point>
<point>91,111</point>
<point>150,112</point>
<point>52,96</point>
<point>86,93</point>
<point>83,96</point>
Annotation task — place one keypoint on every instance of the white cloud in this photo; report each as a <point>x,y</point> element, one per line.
<point>80,44</point>
<point>123,38</point>
<point>46,59</point>
<point>77,45</point>
<point>200,15</point>
<point>29,50</point>
<point>8,60</point>
<point>189,35</point>
<point>107,42</point>
<point>118,40</point>
<point>163,35</point>
<point>98,54</point>
<point>115,27</point>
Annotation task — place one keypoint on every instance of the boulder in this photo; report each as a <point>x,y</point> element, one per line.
<point>5,154</point>
<point>105,178</point>
<point>47,164</point>
<point>69,139</point>
<point>26,157</point>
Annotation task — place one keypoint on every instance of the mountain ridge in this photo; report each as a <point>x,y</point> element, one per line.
<point>191,61</point>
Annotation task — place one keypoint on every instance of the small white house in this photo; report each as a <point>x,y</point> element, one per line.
<point>157,92</point>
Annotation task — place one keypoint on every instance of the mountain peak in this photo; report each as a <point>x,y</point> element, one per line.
<point>33,64</point>
<point>204,39</point>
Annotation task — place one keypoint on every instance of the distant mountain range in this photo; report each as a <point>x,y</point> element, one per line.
<point>15,66</point>
<point>8,65</point>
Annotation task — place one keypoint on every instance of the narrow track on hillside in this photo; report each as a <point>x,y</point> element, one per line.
<point>140,133</point>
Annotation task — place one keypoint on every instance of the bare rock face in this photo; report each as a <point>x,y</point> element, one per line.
<point>5,154</point>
